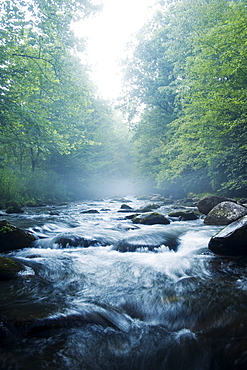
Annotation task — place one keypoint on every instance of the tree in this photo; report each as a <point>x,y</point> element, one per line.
<point>192,59</point>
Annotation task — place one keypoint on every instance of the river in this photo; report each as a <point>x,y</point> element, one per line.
<point>93,307</point>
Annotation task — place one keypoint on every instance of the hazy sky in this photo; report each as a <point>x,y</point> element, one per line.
<point>107,34</point>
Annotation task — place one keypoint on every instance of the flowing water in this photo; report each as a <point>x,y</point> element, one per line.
<point>83,304</point>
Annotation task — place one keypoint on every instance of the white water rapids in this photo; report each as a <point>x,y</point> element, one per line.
<point>94,307</point>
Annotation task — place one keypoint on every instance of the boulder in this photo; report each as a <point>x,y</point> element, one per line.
<point>225,213</point>
<point>148,241</point>
<point>232,240</point>
<point>9,268</point>
<point>12,237</point>
<point>151,219</point>
<point>90,211</point>
<point>125,206</point>
<point>184,215</point>
<point>65,240</point>
<point>14,209</point>
<point>206,204</point>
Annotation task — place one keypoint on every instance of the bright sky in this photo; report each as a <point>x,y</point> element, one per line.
<point>107,34</point>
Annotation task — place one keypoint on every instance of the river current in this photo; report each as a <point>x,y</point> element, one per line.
<point>83,304</point>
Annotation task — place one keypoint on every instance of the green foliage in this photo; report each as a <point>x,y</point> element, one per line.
<point>53,128</point>
<point>198,55</point>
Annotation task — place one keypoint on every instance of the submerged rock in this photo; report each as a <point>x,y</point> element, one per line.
<point>72,240</point>
<point>232,240</point>
<point>12,237</point>
<point>151,219</point>
<point>206,204</point>
<point>9,268</point>
<point>149,241</point>
<point>225,213</point>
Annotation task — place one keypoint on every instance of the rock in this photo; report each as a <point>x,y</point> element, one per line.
<point>232,240</point>
<point>14,209</point>
<point>12,237</point>
<point>126,206</point>
<point>225,213</point>
<point>157,198</point>
<point>54,213</point>
<point>184,215</point>
<point>90,211</point>
<point>151,219</point>
<point>149,241</point>
<point>206,204</point>
<point>148,208</point>
<point>9,268</point>
<point>72,240</point>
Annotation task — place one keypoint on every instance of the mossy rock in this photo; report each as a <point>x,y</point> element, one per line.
<point>12,237</point>
<point>9,268</point>
<point>151,219</point>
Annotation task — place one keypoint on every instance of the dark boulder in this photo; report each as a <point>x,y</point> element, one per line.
<point>225,213</point>
<point>65,240</point>
<point>9,268</point>
<point>232,240</point>
<point>184,215</point>
<point>125,208</point>
<point>14,209</point>
<point>12,237</point>
<point>206,204</point>
<point>151,219</point>
<point>149,241</point>
<point>90,211</point>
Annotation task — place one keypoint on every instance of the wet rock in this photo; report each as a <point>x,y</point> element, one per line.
<point>54,213</point>
<point>147,208</point>
<point>206,204</point>
<point>90,211</point>
<point>131,217</point>
<point>149,241</point>
<point>72,240</point>
<point>151,219</point>
<point>12,237</point>
<point>14,209</point>
<point>125,208</point>
<point>225,213</point>
<point>9,268</point>
<point>13,329</point>
<point>232,240</point>
<point>184,215</point>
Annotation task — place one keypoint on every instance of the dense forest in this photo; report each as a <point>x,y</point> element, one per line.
<point>57,136</point>
<point>185,98</point>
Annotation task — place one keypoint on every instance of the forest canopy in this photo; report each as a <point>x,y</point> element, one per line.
<point>186,96</point>
<point>56,134</point>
